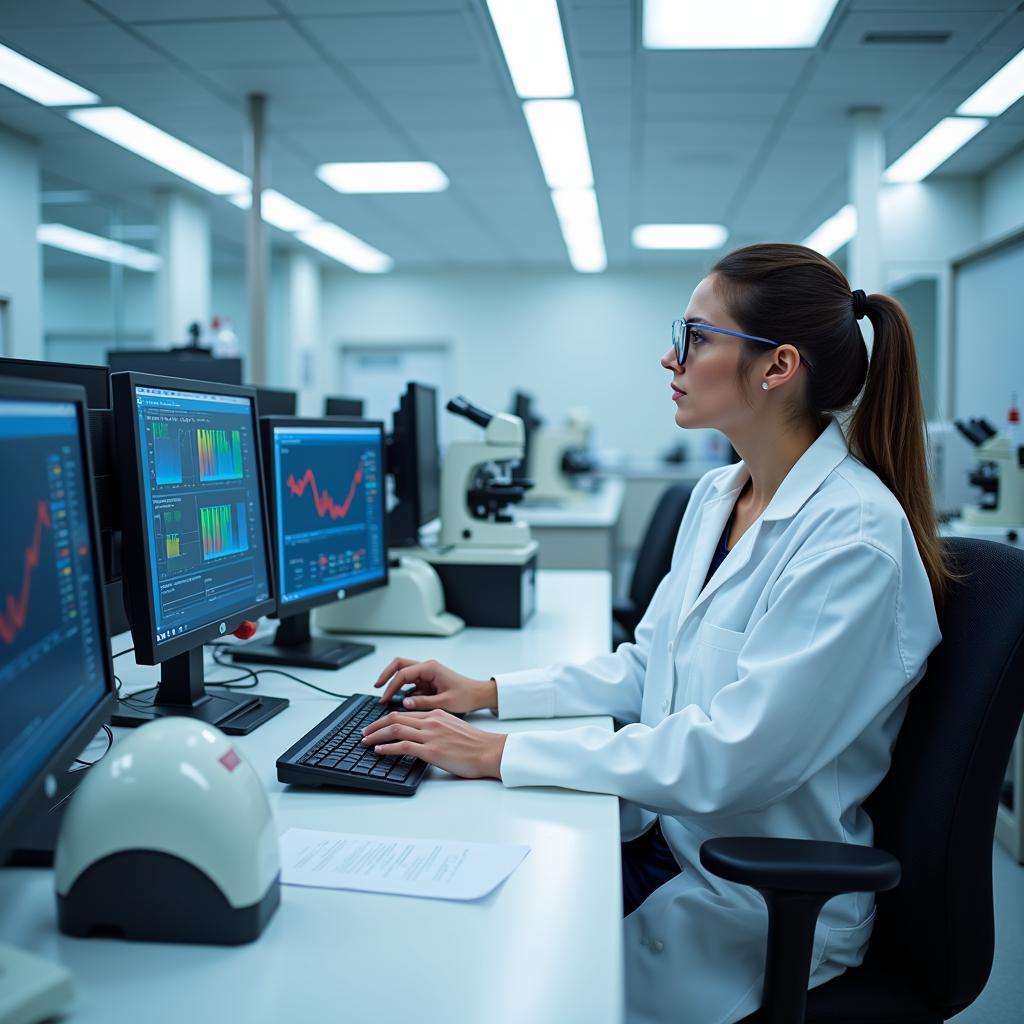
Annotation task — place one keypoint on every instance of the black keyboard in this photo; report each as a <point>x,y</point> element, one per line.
<point>331,754</point>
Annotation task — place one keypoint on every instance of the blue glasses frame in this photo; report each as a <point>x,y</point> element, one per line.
<point>681,338</point>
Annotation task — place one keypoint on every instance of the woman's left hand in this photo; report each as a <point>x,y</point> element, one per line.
<point>438,738</point>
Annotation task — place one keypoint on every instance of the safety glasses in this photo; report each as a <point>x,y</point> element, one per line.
<point>683,330</point>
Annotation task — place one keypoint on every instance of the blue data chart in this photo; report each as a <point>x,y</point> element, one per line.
<point>329,509</point>
<point>51,649</point>
<point>203,507</point>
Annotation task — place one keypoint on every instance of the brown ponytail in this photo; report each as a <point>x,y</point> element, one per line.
<point>796,295</point>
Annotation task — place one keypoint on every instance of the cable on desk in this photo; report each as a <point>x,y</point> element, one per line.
<point>121,654</point>
<point>89,764</point>
<point>255,674</point>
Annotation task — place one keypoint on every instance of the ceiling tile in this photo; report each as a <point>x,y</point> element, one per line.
<point>246,41</point>
<point>396,37</point>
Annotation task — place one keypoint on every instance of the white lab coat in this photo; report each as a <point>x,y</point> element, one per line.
<point>765,704</point>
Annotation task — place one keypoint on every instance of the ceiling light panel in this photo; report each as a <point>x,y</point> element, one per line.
<point>734,24</point>
<point>146,140</point>
<point>934,149</point>
<point>580,222</point>
<point>1002,90</point>
<point>279,210</point>
<point>834,233</point>
<point>346,248</point>
<point>530,33</point>
<point>392,177</point>
<point>60,236</point>
<point>561,142</point>
<point>679,236</point>
<point>40,84</point>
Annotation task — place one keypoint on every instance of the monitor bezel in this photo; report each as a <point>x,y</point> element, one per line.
<point>268,424</point>
<point>135,571</point>
<point>34,797</point>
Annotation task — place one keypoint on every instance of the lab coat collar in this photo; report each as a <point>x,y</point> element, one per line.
<point>800,483</point>
<point>806,476</point>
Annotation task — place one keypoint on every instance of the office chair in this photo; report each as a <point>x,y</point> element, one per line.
<point>931,950</point>
<point>653,561</point>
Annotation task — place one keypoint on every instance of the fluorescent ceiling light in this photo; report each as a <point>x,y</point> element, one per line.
<point>581,228</point>
<point>560,141</point>
<point>934,149</point>
<point>60,236</point>
<point>834,233</point>
<point>530,33</point>
<point>1005,87</point>
<point>393,176</point>
<point>39,83</point>
<point>734,24</point>
<point>279,210</point>
<point>679,236</point>
<point>149,142</point>
<point>340,245</point>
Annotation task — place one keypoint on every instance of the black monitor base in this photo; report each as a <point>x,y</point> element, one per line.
<point>182,694</point>
<point>232,713</point>
<point>294,645</point>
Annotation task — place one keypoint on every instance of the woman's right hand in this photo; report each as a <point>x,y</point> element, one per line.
<point>436,687</point>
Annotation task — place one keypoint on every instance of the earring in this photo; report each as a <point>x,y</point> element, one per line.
<point>764,385</point>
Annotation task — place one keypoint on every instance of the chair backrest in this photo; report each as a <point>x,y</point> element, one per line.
<point>654,559</point>
<point>936,809</point>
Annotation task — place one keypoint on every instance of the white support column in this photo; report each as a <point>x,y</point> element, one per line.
<point>867,161</point>
<point>183,280</point>
<point>304,349</point>
<point>21,265</point>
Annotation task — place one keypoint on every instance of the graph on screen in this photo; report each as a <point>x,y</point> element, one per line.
<point>15,608</point>
<point>329,503</point>
<point>220,454</point>
<point>325,505</point>
<point>222,528</point>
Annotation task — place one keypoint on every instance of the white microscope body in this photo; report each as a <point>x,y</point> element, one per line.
<point>551,452</point>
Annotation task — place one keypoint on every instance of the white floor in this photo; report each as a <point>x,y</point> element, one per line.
<point>1002,1001</point>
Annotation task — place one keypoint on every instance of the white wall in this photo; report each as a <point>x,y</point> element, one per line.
<point>20,266</point>
<point>570,339</point>
<point>1002,197</point>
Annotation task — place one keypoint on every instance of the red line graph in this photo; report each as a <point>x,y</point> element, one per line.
<point>15,610</point>
<point>322,500</point>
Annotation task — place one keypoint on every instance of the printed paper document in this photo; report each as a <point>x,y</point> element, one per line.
<point>438,869</point>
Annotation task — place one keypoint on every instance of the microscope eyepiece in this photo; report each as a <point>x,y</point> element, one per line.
<point>461,407</point>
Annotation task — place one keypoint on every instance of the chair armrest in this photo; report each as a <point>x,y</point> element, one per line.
<point>796,877</point>
<point>800,865</point>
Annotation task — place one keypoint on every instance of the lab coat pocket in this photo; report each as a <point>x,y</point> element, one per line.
<point>715,657</point>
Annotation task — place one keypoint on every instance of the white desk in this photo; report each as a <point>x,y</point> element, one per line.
<point>579,534</point>
<point>546,946</point>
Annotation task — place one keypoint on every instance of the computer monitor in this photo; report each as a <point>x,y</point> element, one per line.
<point>414,461</point>
<point>96,381</point>
<point>190,363</point>
<point>276,402</point>
<point>194,515</point>
<point>56,681</point>
<point>338,406</point>
<point>325,480</point>
<point>522,406</point>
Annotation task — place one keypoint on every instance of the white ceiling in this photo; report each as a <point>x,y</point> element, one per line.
<point>756,140</point>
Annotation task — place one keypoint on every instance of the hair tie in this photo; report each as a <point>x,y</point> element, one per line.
<point>860,304</point>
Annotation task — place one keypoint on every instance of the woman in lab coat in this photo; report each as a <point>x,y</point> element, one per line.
<point>769,677</point>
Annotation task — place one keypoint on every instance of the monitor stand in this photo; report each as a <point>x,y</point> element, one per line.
<point>182,693</point>
<point>294,645</point>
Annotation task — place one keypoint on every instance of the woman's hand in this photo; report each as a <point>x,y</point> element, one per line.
<point>436,687</point>
<point>438,738</point>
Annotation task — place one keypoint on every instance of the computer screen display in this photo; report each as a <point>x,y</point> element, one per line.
<point>329,510</point>
<point>53,651</point>
<point>202,506</point>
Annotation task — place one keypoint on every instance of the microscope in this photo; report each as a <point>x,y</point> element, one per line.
<point>487,560</point>
<point>559,460</point>
<point>1000,476</point>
